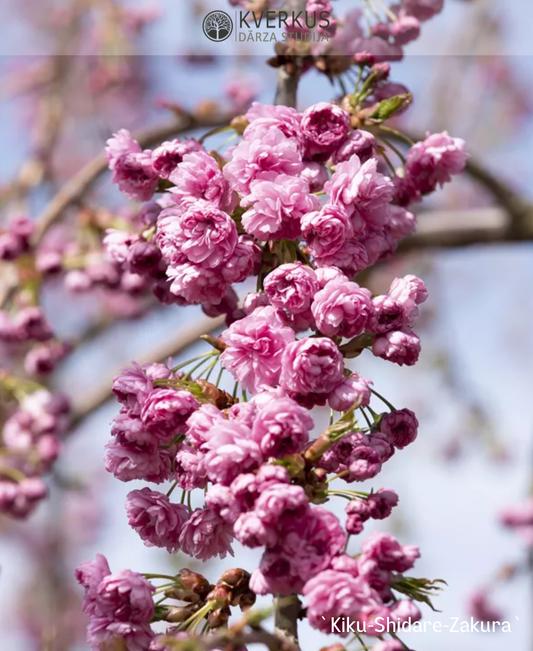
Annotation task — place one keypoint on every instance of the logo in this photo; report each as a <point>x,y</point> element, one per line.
<point>217,26</point>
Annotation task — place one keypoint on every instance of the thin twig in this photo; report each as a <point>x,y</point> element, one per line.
<point>160,353</point>
<point>81,182</point>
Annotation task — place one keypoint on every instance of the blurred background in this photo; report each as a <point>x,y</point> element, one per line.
<point>74,71</point>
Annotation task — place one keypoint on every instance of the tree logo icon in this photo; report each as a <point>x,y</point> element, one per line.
<point>217,26</point>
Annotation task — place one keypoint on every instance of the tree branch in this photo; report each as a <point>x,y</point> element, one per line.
<point>230,640</point>
<point>187,337</point>
<point>290,73</point>
<point>518,209</point>
<point>458,228</point>
<point>81,182</point>
<point>287,609</point>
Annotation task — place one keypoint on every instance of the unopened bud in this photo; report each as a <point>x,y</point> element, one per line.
<point>219,617</point>
<point>236,578</point>
<point>245,600</point>
<point>193,587</point>
<point>239,124</point>
<point>221,596</point>
<point>219,398</point>
<point>364,58</point>
<point>180,614</point>
<point>381,70</point>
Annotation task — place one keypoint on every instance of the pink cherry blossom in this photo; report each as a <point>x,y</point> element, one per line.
<point>354,390</point>
<point>324,127</point>
<point>277,207</point>
<point>206,535</point>
<point>262,159</point>
<point>255,346</point>
<point>291,286</point>
<point>157,521</point>
<point>398,346</point>
<point>199,177</point>
<point>335,594</point>
<point>170,154</point>
<point>388,553</point>
<point>311,366</point>
<point>359,187</point>
<point>342,308</point>
<point>327,230</point>
<point>166,410</point>
<point>435,160</point>
<point>281,427</point>
<point>401,426</point>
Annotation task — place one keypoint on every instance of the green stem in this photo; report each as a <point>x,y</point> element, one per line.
<point>201,363</point>
<point>171,489</point>
<point>361,642</point>
<point>394,149</point>
<point>196,618</point>
<point>12,473</point>
<point>217,383</point>
<point>388,161</point>
<point>347,493</point>
<point>211,369</point>
<point>164,587</point>
<point>214,131</point>
<point>190,361</point>
<point>396,134</point>
<point>366,417</point>
<point>338,476</point>
<point>389,405</point>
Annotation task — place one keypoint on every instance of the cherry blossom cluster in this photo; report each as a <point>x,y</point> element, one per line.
<point>121,604</point>
<point>266,478</point>
<point>383,31</point>
<point>34,420</point>
<point>303,203</point>
<point>297,185</point>
<point>31,442</point>
<point>389,32</point>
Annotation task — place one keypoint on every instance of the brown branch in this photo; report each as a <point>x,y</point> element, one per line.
<point>187,337</point>
<point>230,640</point>
<point>287,609</point>
<point>458,228</point>
<point>517,208</point>
<point>81,182</point>
<point>289,74</point>
<point>235,638</point>
<point>287,84</point>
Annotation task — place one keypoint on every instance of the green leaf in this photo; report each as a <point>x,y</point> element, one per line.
<point>388,107</point>
<point>417,589</point>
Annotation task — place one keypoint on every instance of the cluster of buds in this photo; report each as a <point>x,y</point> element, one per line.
<point>232,589</point>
